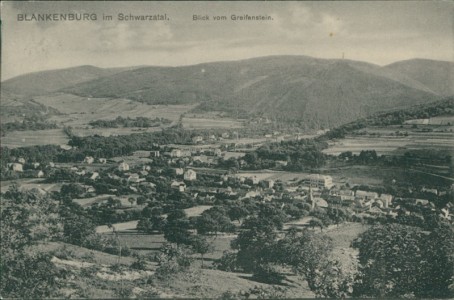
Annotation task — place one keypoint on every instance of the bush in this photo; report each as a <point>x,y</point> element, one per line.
<point>268,273</point>
<point>140,263</point>
<point>172,259</point>
<point>109,245</point>
<point>90,271</point>
<point>123,292</point>
<point>227,262</point>
<point>31,276</point>
<point>63,253</point>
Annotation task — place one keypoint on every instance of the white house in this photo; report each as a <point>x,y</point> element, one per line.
<point>269,183</point>
<point>366,195</point>
<point>175,153</point>
<point>89,160</point>
<point>94,176</point>
<point>179,171</point>
<point>17,167</point>
<point>155,154</point>
<point>197,139</point>
<point>178,185</point>
<point>123,167</point>
<point>135,178</point>
<point>38,174</point>
<point>386,199</point>
<point>80,173</point>
<point>317,180</point>
<point>102,160</point>
<point>190,175</point>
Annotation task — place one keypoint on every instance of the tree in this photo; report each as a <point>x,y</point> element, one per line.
<point>398,260</point>
<point>200,244</point>
<point>72,190</point>
<point>113,203</point>
<point>76,228</point>
<point>27,218</point>
<point>338,215</point>
<point>214,220</point>
<point>177,228</point>
<point>308,254</point>
<point>439,251</point>
<point>254,244</point>
<point>238,212</point>
<point>275,215</point>
<point>131,200</point>
<point>30,276</point>
<point>172,258</point>
<point>315,222</point>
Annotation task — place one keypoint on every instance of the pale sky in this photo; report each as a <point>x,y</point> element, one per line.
<point>376,32</point>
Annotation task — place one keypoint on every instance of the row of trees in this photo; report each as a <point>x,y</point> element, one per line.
<point>26,124</point>
<point>142,122</point>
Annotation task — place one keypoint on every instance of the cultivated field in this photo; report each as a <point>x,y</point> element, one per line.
<point>30,183</point>
<point>26,138</point>
<point>79,111</point>
<point>82,132</point>
<point>210,123</point>
<point>440,120</point>
<point>385,140</point>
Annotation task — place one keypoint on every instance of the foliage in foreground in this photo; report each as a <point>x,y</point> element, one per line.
<point>27,218</point>
<point>398,261</point>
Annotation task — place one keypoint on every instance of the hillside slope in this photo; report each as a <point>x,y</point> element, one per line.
<point>436,75</point>
<point>315,92</point>
<point>39,83</point>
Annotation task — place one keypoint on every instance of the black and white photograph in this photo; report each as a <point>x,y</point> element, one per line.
<point>227,150</point>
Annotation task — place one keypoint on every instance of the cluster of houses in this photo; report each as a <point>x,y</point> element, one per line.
<point>316,189</point>
<point>32,169</point>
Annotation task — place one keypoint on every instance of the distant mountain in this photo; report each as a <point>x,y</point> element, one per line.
<point>438,76</point>
<point>39,83</point>
<point>314,92</point>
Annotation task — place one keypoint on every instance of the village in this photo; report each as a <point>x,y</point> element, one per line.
<point>208,171</point>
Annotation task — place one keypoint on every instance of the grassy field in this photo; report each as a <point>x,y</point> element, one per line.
<point>84,202</point>
<point>26,138</point>
<point>274,175</point>
<point>30,183</point>
<point>209,123</point>
<point>81,110</point>
<point>82,132</point>
<point>385,141</point>
<point>114,273</point>
<point>130,227</point>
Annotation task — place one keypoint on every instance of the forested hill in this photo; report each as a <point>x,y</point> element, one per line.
<point>40,83</point>
<point>312,92</point>
<point>397,117</point>
<point>318,92</point>
<point>438,76</point>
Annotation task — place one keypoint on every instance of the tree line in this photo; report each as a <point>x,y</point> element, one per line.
<point>142,122</point>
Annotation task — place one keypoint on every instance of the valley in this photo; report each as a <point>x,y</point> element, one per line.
<point>272,177</point>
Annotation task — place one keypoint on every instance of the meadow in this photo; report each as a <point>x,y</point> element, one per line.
<point>77,111</point>
<point>386,140</point>
<point>210,123</point>
<point>27,138</point>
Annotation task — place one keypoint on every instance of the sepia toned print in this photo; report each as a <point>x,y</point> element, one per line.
<point>227,150</point>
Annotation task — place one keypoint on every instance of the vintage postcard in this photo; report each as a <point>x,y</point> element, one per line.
<point>227,150</point>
